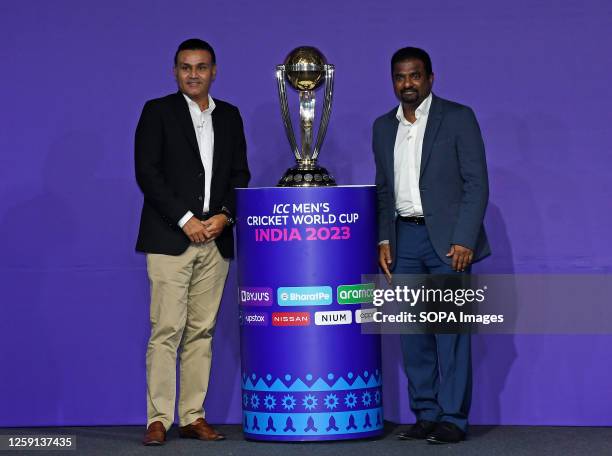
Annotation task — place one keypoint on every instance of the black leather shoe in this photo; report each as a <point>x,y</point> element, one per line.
<point>417,431</point>
<point>446,432</point>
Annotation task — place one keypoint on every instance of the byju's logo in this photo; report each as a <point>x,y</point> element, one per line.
<point>304,296</point>
<point>255,296</point>
<point>290,319</point>
<point>336,317</point>
<point>253,319</point>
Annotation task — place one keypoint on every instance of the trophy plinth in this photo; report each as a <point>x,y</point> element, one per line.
<point>307,175</point>
<point>305,69</point>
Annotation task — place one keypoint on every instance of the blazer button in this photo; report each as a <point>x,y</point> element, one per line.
<point>200,198</point>
<point>200,175</point>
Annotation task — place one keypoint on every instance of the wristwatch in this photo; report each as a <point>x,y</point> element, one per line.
<point>230,219</point>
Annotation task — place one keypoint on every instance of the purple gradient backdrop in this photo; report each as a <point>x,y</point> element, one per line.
<point>75,76</point>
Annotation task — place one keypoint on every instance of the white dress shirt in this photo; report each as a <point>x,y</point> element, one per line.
<point>407,160</point>
<point>205,135</point>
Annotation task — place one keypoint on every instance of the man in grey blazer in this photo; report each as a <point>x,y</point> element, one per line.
<point>432,186</point>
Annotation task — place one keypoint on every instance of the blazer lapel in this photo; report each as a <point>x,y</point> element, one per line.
<point>431,130</point>
<point>219,136</point>
<point>390,135</point>
<point>184,118</point>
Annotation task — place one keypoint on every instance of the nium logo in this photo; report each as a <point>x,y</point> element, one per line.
<point>253,319</point>
<point>365,315</point>
<point>290,319</point>
<point>334,317</point>
<point>255,296</point>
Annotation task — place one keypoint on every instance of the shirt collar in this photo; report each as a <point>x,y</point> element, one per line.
<point>193,106</point>
<point>422,110</point>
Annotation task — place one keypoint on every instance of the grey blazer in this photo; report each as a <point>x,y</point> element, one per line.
<point>453,179</point>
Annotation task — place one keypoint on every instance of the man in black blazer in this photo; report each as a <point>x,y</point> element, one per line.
<point>432,186</point>
<point>190,155</point>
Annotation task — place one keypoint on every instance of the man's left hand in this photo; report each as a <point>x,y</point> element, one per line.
<point>215,225</point>
<point>462,257</point>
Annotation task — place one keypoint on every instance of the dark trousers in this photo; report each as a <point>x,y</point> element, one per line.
<point>438,366</point>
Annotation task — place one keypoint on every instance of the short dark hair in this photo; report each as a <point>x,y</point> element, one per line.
<point>408,53</point>
<point>195,44</point>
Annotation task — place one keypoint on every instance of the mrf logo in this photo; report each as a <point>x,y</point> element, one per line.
<point>290,319</point>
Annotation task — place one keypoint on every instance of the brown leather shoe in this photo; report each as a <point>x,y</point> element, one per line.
<point>155,435</point>
<point>201,430</point>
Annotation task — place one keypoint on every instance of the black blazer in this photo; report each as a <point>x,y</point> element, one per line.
<point>170,173</point>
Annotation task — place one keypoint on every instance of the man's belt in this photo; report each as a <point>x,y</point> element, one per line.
<point>412,219</point>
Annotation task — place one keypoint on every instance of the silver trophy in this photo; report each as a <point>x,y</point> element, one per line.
<point>305,69</point>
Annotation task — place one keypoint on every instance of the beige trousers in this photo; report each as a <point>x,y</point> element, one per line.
<point>185,295</point>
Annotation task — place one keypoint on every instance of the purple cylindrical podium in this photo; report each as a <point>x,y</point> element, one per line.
<point>307,371</point>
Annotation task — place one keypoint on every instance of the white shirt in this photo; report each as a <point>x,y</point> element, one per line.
<point>407,160</point>
<point>202,124</point>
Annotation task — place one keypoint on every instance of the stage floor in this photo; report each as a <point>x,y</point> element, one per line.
<point>482,440</point>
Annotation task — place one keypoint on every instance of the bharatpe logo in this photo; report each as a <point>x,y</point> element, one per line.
<point>253,319</point>
<point>365,315</point>
<point>335,317</point>
<point>304,296</point>
<point>362,293</point>
<point>255,296</point>
<point>290,319</point>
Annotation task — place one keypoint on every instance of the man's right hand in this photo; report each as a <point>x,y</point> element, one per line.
<point>195,230</point>
<point>385,260</point>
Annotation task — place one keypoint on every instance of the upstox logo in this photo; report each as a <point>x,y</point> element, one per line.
<point>253,319</point>
<point>335,317</point>
<point>290,319</point>
<point>304,296</point>
<point>362,293</point>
